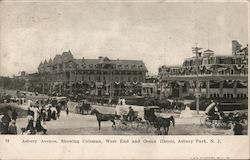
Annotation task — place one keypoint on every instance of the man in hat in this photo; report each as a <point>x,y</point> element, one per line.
<point>5,121</point>
<point>131,114</point>
<point>14,115</point>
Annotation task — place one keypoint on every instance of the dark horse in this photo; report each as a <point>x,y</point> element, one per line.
<point>159,122</point>
<point>103,117</point>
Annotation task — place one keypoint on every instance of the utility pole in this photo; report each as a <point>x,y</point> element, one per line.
<point>195,50</point>
<point>110,78</point>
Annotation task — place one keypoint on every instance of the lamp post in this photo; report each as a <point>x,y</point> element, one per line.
<point>110,79</point>
<point>195,50</point>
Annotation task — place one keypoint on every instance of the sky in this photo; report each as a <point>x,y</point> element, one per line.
<point>157,32</point>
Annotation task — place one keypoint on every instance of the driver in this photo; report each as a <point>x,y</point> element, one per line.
<point>131,114</point>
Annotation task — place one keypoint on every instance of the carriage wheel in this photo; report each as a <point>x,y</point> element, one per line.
<point>123,125</point>
<point>202,119</point>
<point>208,123</point>
<point>245,121</point>
<point>142,126</point>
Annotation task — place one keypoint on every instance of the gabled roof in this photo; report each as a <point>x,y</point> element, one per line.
<point>208,51</point>
<point>41,63</point>
<point>50,60</point>
<point>120,64</point>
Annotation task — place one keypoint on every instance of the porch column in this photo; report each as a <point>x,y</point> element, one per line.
<point>187,88</point>
<point>170,89</point>
<point>221,88</point>
<point>235,89</point>
<point>180,91</point>
<point>70,87</point>
<point>60,89</point>
<point>208,89</point>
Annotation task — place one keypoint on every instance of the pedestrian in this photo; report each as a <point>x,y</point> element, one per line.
<point>67,111</point>
<point>54,113</point>
<point>49,114</point>
<point>238,128</point>
<point>14,115</point>
<point>58,108</point>
<point>5,122</point>
<point>12,128</point>
<point>43,114</point>
<point>30,125</point>
<point>39,126</point>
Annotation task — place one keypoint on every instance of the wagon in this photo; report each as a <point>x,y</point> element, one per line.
<point>141,120</point>
<point>82,106</point>
<point>222,115</point>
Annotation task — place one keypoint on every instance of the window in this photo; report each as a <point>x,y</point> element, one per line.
<point>221,61</point>
<point>129,79</point>
<point>140,78</point>
<point>135,79</point>
<point>212,60</point>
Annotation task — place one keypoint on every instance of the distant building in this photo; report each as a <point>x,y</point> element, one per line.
<point>218,76</point>
<point>103,76</point>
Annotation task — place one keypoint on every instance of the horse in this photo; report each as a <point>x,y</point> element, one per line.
<point>103,117</point>
<point>161,122</point>
<point>158,122</point>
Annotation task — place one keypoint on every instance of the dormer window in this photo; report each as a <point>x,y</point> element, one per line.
<point>83,65</point>
<point>119,66</point>
<point>126,66</point>
<point>133,66</point>
<point>91,66</point>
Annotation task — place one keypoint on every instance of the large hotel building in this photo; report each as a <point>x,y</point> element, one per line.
<point>217,76</point>
<point>66,75</point>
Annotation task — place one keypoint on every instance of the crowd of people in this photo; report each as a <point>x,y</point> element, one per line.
<point>39,113</point>
<point>9,123</point>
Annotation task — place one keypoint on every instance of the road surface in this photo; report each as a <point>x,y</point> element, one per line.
<point>76,124</point>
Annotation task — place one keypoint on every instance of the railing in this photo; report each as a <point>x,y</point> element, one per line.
<point>206,76</point>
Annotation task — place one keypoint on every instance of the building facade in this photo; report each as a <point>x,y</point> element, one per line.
<point>216,76</point>
<point>103,76</point>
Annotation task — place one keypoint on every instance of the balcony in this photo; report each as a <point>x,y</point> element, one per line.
<point>205,77</point>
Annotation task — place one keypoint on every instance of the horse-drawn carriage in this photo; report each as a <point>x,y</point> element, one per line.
<point>223,115</point>
<point>82,106</point>
<point>134,117</point>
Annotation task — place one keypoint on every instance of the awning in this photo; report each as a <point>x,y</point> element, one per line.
<point>182,70</point>
<point>239,66</point>
<point>243,83</point>
<point>181,83</point>
<point>230,81</point>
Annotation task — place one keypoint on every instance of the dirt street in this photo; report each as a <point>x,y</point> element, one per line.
<point>76,124</point>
